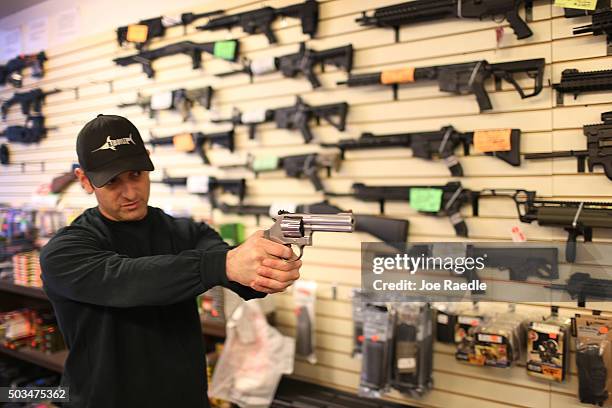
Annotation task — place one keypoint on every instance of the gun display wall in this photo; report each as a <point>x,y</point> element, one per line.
<point>474,109</point>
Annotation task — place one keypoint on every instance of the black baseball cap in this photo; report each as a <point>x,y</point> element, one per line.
<point>108,146</point>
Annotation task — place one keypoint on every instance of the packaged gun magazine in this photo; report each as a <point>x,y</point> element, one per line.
<point>305,295</point>
<point>467,323</point>
<point>358,303</point>
<point>377,331</point>
<point>446,321</point>
<point>594,359</point>
<point>500,341</point>
<point>548,348</point>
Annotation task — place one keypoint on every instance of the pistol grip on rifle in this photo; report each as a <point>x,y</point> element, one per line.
<point>306,132</point>
<point>267,30</point>
<point>147,68</point>
<point>520,27</point>
<point>570,246</point>
<point>482,97</point>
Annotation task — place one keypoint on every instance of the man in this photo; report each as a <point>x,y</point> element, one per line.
<point>123,278</point>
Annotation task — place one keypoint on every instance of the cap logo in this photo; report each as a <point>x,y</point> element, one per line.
<point>111,144</point>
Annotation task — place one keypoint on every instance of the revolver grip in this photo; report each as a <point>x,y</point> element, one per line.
<point>520,27</point>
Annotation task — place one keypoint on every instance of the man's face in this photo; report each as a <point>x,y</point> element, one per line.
<point>125,197</point>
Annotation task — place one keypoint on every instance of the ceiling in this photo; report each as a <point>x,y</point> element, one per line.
<point>8,7</point>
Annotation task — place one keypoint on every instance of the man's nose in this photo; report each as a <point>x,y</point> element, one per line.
<point>130,191</point>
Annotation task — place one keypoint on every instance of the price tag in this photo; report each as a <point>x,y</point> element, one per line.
<point>265,163</point>
<point>577,4</point>
<point>426,199</point>
<point>197,184</point>
<point>137,33</point>
<point>225,50</point>
<point>183,142</point>
<point>442,318</point>
<point>397,76</point>
<point>161,100</point>
<point>493,140</point>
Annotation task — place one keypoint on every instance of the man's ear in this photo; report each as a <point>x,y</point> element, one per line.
<point>85,183</point>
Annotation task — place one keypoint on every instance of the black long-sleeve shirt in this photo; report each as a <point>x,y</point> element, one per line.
<point>124,295</point>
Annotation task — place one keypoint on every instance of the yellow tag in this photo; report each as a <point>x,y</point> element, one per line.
<point>577,4</point>
<point>137,33</point>
<point>183,142</point>
<point>494,140</point>
<point>397,76</point>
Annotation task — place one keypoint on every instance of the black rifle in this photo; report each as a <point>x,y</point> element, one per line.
<point>30,101</point>
<point>33,131</point>
<point>598,152</point>
<point>292,117</point>
<point>576,82</point>
<point>11,72</point>
<point>460,79</point>
<point>428,10</point>
<point>601,24</point>
<point>453,197</point>
<point>227,50</point>
<point>520,262</point>
<point>260,20</point>
<point>235,187</point>
<point>303,62</point>
<point>388,230</point>
<point>156,27</point>
<point>305,165</point>
<point>427,145</point>
<point>581,286</point>
<point>200,139</point>
<point>181,99</point>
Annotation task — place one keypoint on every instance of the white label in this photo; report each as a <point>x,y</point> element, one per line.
<point>171,20</point>
<point>490,338</point>
<point>161,100</point>
<point>254,116</point>
<point>442,318</point>
<point>197,184</point>
<point>282,206</point>
<point>471,320</point>
<point>545,328</point>
<point>407,363</point>
<point>263,65</point>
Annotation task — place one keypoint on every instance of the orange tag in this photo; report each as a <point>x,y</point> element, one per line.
<point>603,330</point>
<point>397,76</point>
<point>183,142</point>
<point>494,140</point>
<point>137,33</point>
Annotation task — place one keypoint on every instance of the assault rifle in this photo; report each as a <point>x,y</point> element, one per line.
<point>11,72</point>
<point>156,27</point>
<point>303,62</point>
<point>581,286</point>
<point>598,152</point>
<point>601,24</point>
<point>30,101</point>
<point>430,200</point>
<point>429,10</point>
<point>209,186</point>
<point>576,82</point>
<point>388,230</point>
<point>260,20</point>
<point>181,100</point>
<point>460,79</point>
<point>227,50</point>
<point>440,143</point>
<point>520,262</point>
<point>293,117</point>
<point>196,142</point>
<point>33,131</point>
<point>578,218</point>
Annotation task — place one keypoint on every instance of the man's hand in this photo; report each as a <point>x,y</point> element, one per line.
<point>260,264</point>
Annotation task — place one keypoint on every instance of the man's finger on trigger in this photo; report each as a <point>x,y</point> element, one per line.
<point>278,250</point>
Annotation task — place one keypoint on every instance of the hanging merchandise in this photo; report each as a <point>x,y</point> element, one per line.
<point>594,358</point>
<point>358,310</point>
<point>210,306</point>
<point>446,321</point>
<point>467,322</point>
<point>412,349</point>
<point>500,341</point>
<point>548,348</point>
<point>305,296</point>
<point>253,360</point>
<point>378,332</point>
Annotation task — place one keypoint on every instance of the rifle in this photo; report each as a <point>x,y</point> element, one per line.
<point>431,200</point>
<point>297,166</point>
<point>576,82</point>
<point>30,101</point>
<point>61,182</point>
<point>227,50</point>
<point>578,218</point>
<point>439,143</point>
<point>598,152</point>
<point>460,79</point>
<point>303,62</point>
<point>429,10</point>
<point>581,286</point>
<point>291,117</point>
<point>520,262</point>
<point>27,134</point>
<point>208,186</point>
<point>260,20</point>
<point>11,72</point>
<point>601,24</point>
<point>179,99</point>
<point>196,142</point>
<point>388,230</point>
<point>156,27</point>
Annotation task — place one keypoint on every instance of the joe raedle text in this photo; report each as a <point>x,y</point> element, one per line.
<point>446,285</point>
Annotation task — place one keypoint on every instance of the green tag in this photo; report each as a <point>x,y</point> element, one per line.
<point>233,233</point>
<point>265,163</point>
<point>577,4</point>
<point>225,50</point>
<point>426,199</point>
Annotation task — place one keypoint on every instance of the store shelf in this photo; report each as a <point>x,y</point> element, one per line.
<point>54,362</point>
<point>29,291</point>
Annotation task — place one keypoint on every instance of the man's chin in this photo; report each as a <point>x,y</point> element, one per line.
<point>134,214</point>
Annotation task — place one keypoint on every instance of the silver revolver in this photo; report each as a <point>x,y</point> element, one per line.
<point>296,229</point>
